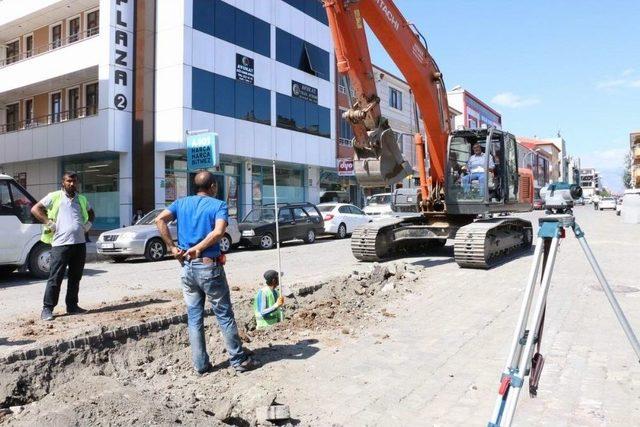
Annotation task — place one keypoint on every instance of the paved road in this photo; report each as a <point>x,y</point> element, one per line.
<point>446,347</point>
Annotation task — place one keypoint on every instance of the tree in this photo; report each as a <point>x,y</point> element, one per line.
<point>626,176</point>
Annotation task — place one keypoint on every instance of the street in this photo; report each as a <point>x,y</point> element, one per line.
<point>436,354</point>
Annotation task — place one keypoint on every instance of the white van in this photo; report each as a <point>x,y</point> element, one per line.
<point>20,244</point>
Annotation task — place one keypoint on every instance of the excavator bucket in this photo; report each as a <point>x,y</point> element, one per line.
<point>385,169</point>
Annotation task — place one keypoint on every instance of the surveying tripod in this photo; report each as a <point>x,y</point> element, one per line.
<point>521,361</point>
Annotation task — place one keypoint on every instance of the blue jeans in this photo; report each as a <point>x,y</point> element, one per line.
<point>466,181</point>
<point>198,282</point>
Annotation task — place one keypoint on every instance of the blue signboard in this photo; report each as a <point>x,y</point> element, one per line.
<point>202,151</point>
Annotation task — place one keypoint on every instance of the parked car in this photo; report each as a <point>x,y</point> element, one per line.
<point>143,239</point>
<point>379,204</point>
<point>20,244</point>
<point>340,219</point>
<point>334,196</point>
<point>607,203</point>
<point>295,221</point>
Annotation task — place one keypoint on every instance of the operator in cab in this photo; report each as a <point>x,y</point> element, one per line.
<point>475,169</point>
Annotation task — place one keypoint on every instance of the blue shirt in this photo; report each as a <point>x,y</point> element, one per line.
<point>197,216</point>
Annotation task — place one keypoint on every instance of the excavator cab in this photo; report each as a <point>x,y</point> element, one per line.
<point>482,170</point>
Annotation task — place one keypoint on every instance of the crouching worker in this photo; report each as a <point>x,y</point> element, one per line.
<point>268,303</point>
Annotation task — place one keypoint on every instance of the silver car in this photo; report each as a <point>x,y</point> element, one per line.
<point>143,239</point>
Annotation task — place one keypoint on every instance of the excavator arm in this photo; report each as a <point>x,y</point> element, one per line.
<point>378,159</point>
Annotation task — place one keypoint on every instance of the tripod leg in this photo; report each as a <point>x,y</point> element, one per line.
<point>515,351</point>
<point>607,290</point>
<point>525,359</point>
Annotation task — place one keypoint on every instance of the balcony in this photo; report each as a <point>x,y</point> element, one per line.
<point>64,56</point>
<point>83,130</point>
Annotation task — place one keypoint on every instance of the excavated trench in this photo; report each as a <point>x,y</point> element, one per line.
<point>145,376</point>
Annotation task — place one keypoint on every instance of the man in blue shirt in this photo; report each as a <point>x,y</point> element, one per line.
<point>476,169</point>
<point>202,222</point>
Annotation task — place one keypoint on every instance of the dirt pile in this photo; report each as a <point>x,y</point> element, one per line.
<point>149,379</point>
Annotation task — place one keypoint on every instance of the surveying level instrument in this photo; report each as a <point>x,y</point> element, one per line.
<point>521,361</point>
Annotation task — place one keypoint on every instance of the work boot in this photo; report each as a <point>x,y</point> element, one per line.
<point>47,314</point>
<point>76,310</point>
<point>248,365</point>
<point>205,371</point>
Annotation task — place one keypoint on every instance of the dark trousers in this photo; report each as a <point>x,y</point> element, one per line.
<point>72,256</point>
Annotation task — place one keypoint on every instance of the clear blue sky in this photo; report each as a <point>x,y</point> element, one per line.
<point>568,65</point>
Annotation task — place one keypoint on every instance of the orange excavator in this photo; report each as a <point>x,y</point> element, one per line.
<point>472,174</point>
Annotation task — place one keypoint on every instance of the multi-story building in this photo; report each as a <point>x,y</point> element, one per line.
<point>85,86</point>
<point>475,113</point>
<point>555,152</point>
<point>590,182</point>
<point>634,142</point>
<point>573,170</point>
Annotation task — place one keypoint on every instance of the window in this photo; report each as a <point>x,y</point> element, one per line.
<point>28,45</point>
<point>224,103</point>
<point>346,130</point>
<point>312,8</point>
<point>221,20</point>
<point>356,211</point>
<point>203,90</point>
<point>344,210</point>
<point>285,215</point>
<point>91,98</point>
<point>6,206</point>
<point>74,29</point>
<point>13,52</point>
<point>93,23</point>
<point>302,116</point>
<point>55,107</point>
<point>304,56</point>
<point>299,214</point>
<point>395,98</point>
<point>22,204</point>
<point>73,100</point>
<point>12,117</point>
<point>56,36</point>
<point>221,95</point>
<point>28,112</point>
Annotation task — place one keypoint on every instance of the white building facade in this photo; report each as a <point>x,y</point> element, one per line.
<point>111,88</point>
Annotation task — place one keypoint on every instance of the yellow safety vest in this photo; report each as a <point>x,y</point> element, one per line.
<point>52,213</point>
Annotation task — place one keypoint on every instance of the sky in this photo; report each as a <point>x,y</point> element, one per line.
<point>548,66</point>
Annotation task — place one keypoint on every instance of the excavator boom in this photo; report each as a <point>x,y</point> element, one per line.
<point>375,144</point>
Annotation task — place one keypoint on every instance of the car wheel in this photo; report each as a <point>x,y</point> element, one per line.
<point>342,231</point>
<point>40,261</point>
<point>155,250</point>
<point>266,241</point>
<point>310,237</point>
<point>119,259</point>
<point>225,244</point>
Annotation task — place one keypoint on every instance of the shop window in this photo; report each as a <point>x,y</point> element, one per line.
<point>224,21</point>
<point>224,96</point>
<point>203,90</point>
<point>304,56</point>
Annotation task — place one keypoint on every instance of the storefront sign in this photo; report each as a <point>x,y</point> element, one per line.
<point>202,151</point>
<point>123,38</point>
<point>345,167</point>
<point>244,68</point>
<point>302,91</point>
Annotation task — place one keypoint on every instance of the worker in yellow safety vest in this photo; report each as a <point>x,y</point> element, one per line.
<point>267,304</point>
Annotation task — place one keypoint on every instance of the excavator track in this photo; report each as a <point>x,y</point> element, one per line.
<point>372,241</point>
<point>485,243</point>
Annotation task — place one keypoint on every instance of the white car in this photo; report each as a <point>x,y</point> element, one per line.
<point>379,205</point>
<point>342,218</point>
<point>143,239</point>
<point>607,203</point>
<point>20,245</point>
